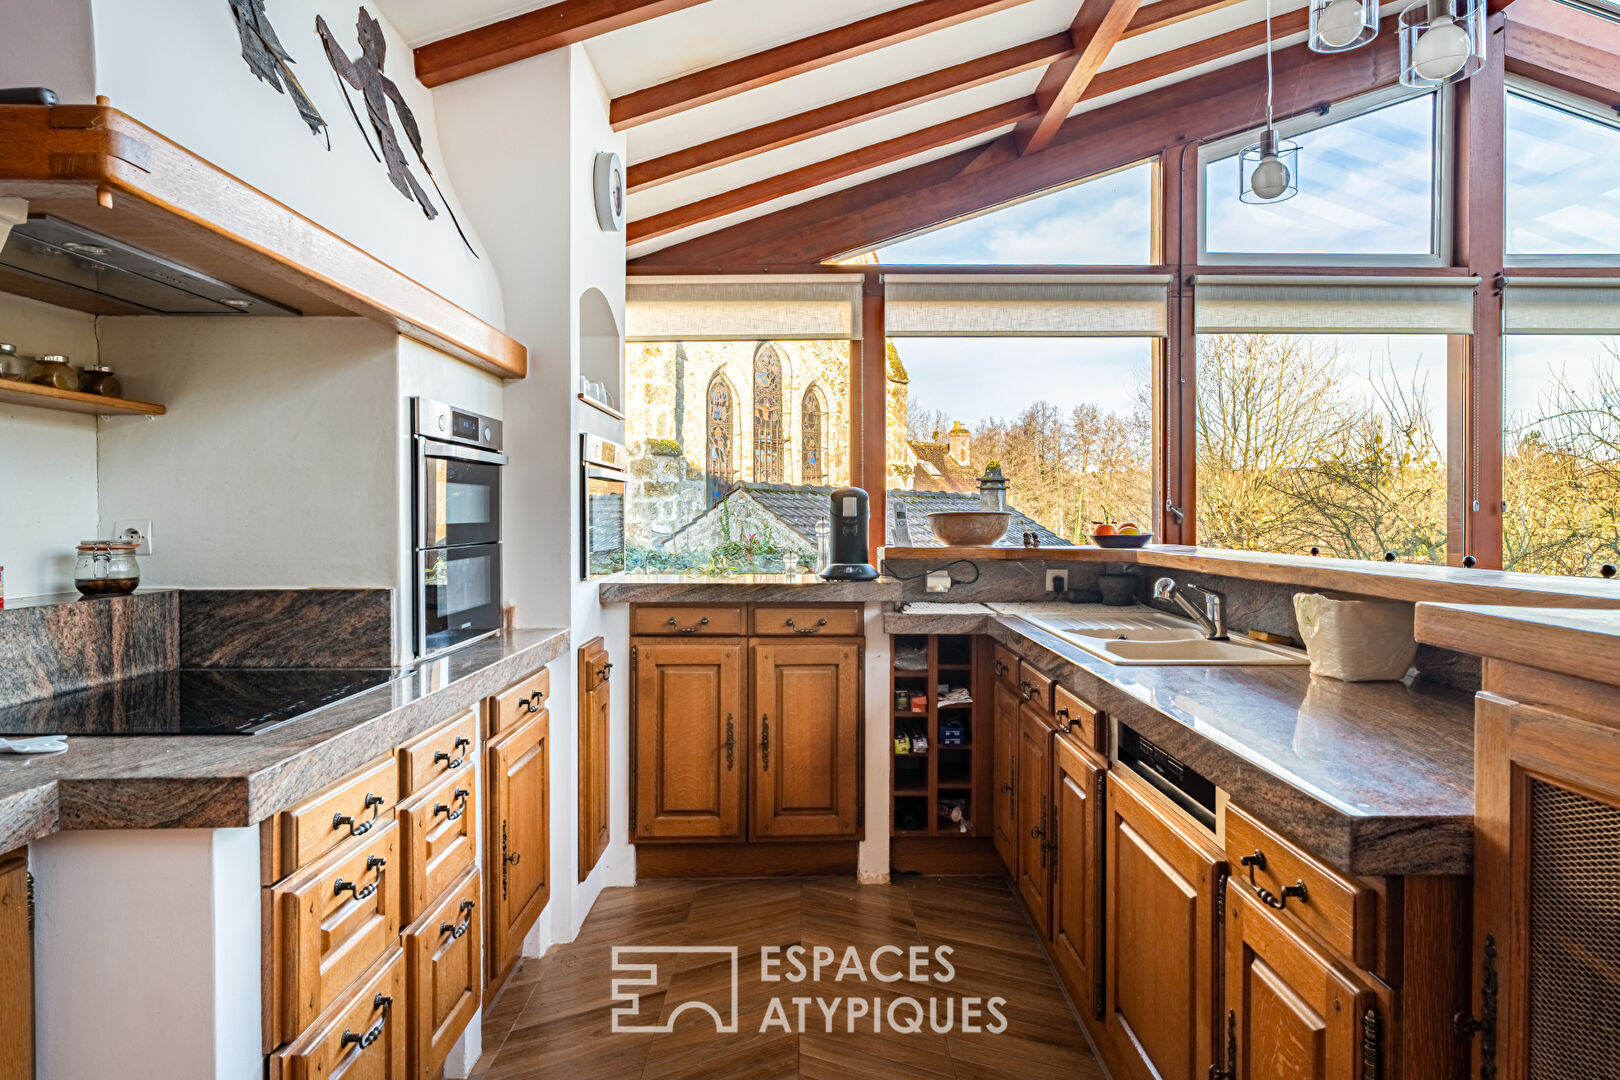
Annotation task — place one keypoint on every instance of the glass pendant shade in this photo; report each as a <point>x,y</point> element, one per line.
<point>1342,25</point>
<point>1442,41</point>
<point>1269,169</point>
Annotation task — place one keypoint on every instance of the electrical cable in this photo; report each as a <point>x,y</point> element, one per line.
<point>884,568</point>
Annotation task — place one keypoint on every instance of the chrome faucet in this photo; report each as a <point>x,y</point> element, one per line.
<point>1212,620</point>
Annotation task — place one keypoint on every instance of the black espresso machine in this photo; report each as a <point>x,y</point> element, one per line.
<point>850,519</point>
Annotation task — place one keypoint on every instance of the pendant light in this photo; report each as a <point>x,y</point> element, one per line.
<point>1342,25</point>
<point>1442,41</point>
<point>1268,170</point>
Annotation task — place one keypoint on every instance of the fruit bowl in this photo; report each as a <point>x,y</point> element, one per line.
<point>969,528</point>
<point>1121,540</point>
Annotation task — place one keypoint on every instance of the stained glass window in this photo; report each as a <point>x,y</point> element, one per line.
<point>815,443</point>
<point>767,416</point>
<point>721,428</point>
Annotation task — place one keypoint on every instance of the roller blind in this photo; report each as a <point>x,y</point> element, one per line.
<point>974,305</point>
<point>1561,306</point>
<point>810,307</point>
<point>1230,304</point>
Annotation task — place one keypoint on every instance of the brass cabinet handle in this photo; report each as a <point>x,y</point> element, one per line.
<point>374,862</point>
<point>381,1001</point>
<point>765,742</point>
<point>816,629</point>
<point>372,803</point>
<point>461,744</point>
<point>460,795</point>
<point>459,928</point>
<point>679,629</point>
<point>731,743</point>
<point>1257,861</point>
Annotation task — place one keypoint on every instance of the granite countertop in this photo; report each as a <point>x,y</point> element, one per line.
<point>1569,641</point>
<point>742,589</point>
<point>224,781</point>
<point>1373,778</point>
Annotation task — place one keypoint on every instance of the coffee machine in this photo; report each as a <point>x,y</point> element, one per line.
<point>849,537</point>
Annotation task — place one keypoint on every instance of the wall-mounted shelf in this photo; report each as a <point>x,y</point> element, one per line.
<point>601,406</point>
<point>49,397</point>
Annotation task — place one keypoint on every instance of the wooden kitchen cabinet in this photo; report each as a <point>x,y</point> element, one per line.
<point>1076,933</point>
<point>17,961</point>
<point>362,1037</point>
<point>595,670</point>
<point>806,780</point>
<point>1004,796</point>
<point>517,851</point>
<point>1161,937</point>
<point>691,740</point>
<point>1035,828</point>
<point>442,973</point>
<point>439,838</point>
<point>1291,1012</point>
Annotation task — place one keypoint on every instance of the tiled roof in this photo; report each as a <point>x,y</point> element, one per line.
<point>798,508</point>
<point>943,473</point>
<point>919,504</point>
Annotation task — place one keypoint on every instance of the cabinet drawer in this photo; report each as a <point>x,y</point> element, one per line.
<point>1033,687</point>
<point>517,703</point>
<point>437,839</point>
<point>446,748</point>
<point>1339,911</point>
<point>687,620</point>
<point>1005,665</point>
<point>441,965</point>
<point>354,807</point>
<point>808,621</point>
<point>332,922</point>
<point>361,1036</point>
<point>1083,721</point>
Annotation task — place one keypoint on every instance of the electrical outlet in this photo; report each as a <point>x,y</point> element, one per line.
<point>1057,581</point>
<point>939,581</point>
<point>136,530</point>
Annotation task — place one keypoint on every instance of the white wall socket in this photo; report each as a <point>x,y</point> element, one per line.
<point>939,581</point>
<point>134,529</point>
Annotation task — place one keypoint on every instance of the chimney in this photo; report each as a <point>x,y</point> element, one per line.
<point>959,438</point>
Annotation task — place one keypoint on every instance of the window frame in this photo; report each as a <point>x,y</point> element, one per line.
<point>1441,215</point>
<point>1575,105</point>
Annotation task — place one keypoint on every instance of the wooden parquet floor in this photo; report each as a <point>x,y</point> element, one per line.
<point>555,1017</point>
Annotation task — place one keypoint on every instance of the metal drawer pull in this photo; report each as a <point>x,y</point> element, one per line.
<point>731,743</point>
<point>531,704</point>
<point>460,794</point>
<point>1068,722</point>
<point>816,629</point>
<point>765,742</point>
<point>372,803</point>
<point>1257,861</point>
<point>679,629</point>
<point>1001,669</point>
<point>460,928</point>
<point>374,862</point>
<point>381,1001</point>
<point>1026,691</point>
<point>1007,787</point>
<point>454,763</point>
<point>604,671</point>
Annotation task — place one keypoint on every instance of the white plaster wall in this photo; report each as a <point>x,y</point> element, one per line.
<point>49,43</point>
<point>277,463</point>
<point>47,459</point>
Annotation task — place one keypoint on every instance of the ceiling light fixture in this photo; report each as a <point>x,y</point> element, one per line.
<point>1268,170</point>
<point>1442,41</point>
<point>1342,25</point>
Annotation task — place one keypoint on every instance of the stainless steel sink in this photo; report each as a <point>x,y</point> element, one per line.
<point>1142,636</point>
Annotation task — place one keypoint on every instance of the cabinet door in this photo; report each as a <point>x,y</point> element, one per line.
<point>1291,1013</point>
<point>1004,798</point>
<point>1160,932</point>
<point>691,732</point>
<point>1034,835</point>
<point>806,730</point>
<point>595,670</point>
<point>17,961</point>
<point>362,1037</point>
<point>441,970</point>
<point>1077,778</point>
<point>1547,874</point>
<point>518,851</point>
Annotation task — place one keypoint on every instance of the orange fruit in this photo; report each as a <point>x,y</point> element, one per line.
<point>1103,530</point>
<point>1131,526</point>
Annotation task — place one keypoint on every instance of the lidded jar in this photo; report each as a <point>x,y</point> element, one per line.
<point>106,568</point>
<point>100,380</point>
<point>54,370</point>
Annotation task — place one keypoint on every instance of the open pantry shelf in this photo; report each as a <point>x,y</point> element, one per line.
<point>928,785</point>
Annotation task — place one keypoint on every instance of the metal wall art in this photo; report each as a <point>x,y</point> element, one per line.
<point>267,59</point>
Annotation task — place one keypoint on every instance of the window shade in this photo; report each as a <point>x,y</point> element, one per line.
<point>974,305</point>
<point>1229,304</point>
<point>1561,306</point>
<point>811,307</point>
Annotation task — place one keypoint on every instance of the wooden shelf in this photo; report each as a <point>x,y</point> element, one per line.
<point>601,406</point>
<point>49,397</point>
<point>964,774</point>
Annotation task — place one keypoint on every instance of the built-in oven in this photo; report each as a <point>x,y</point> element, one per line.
<point>602,491</point>
<point>457,507</point>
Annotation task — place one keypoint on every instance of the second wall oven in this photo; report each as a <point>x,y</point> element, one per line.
<point>457,525</point>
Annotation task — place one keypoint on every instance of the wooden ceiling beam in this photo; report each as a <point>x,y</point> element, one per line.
<point>1163,13</point>
<point>1096,30</point>
<point>1219,47</point>
<point>796,57</point>
<point>852,110</point>
<point>1564,48</point>
<point>485,48</point>
<point>825,172</point>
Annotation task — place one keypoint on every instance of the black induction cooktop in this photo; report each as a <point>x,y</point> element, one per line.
<point>188,701</point>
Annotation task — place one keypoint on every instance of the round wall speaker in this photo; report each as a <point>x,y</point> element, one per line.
<point>610,192</point>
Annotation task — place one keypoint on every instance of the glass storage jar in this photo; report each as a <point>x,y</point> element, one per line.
<point>106,568</point>
<point>100,380</point>
<point>11,365</point>
<point>54,370</point>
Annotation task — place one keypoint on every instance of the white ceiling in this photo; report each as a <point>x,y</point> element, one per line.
<point>721,30</point>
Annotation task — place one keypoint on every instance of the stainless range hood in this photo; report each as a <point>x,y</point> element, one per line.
<point>54,250</point>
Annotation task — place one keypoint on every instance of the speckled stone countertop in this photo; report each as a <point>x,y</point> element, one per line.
<point>223,781</point>
<point>742,589</point>
<point>1373,778</point>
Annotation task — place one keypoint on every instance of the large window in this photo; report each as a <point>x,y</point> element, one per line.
<point>1563,180</point>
